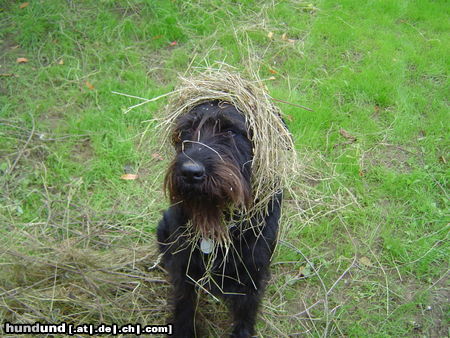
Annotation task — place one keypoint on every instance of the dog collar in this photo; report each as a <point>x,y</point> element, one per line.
<point>206,245</point>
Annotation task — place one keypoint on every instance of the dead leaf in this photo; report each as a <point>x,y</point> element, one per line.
<point>347,135</point>
<point>23,5</point>
<point>6,74</point>
<point>442,159</point>
<point>90,85</point>
<point>157,37</point>
<point>157,156</point>
<point>273,71</point>
<point>270,35</point>
<point>284,37</point>
<point>21,60</point>
<point>365,261</point>
<point>173,43</point>
<point>291,40</point>
<point>272,78</point>
<point>129,177</point>
<point>15,47</point>
<point>61,62</point>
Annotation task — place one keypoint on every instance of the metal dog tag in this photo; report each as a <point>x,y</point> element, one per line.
<point>206,245</point>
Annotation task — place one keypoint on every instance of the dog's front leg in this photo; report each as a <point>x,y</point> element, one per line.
<point>175,261</point>
<point>244,309</point>
<point>184,309</point>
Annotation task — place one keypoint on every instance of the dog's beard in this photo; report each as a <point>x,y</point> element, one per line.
<point>206,203</point>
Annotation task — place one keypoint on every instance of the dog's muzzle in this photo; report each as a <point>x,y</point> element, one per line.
<point>192,172</point>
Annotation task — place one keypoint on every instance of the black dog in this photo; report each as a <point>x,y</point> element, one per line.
<point>210,174</point>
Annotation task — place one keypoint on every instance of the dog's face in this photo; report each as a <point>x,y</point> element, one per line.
<point>212,168</point>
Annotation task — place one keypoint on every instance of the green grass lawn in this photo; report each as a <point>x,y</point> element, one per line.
<point>364,251</point>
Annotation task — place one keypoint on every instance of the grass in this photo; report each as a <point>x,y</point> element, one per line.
<point>366,252</point>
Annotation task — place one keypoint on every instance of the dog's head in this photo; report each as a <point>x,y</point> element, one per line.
<point>212,167</point>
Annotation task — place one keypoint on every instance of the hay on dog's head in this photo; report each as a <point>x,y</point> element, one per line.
<point>273,149</point>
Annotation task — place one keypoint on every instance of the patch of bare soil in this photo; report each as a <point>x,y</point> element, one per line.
<point>432,321</point>
<point>53,119</point>
<point>437,311</point>
<point>83,150</point>
<point>390,156</point>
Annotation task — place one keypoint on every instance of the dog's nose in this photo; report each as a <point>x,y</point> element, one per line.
<point>192,172</point>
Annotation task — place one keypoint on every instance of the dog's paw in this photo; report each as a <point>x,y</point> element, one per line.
<point>241,331</point>
<point>183,331</point>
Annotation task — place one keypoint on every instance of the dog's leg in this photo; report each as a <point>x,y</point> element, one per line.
<point>244,309</point>
<point>175,261</point>
<point>184,310</point>
<point>256,254</point>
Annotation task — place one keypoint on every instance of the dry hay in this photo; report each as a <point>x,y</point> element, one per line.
<point>274,159</point>
<point>93,277</point>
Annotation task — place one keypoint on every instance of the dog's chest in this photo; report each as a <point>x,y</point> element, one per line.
<point>217,268</point>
